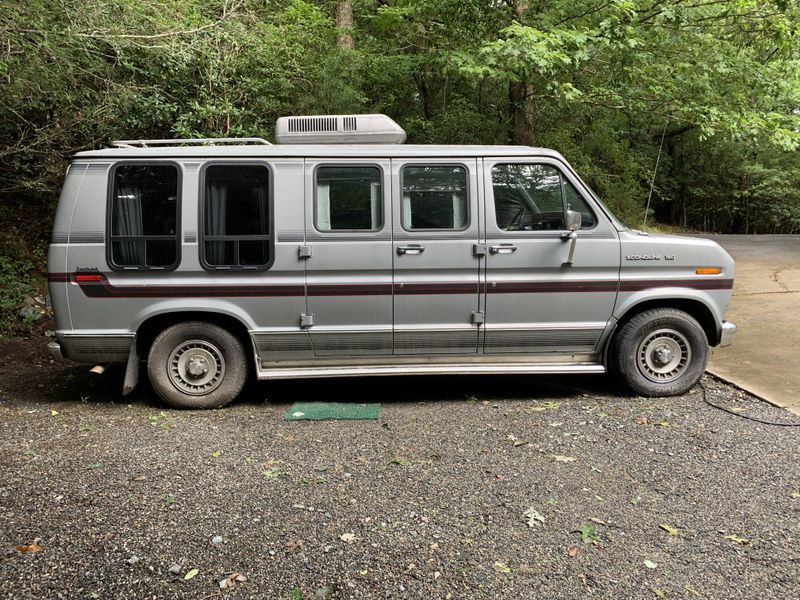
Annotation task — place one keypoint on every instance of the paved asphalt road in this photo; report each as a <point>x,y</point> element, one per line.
<point>765,359</point>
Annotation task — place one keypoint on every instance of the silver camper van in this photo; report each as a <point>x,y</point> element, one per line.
<point>341,251</point>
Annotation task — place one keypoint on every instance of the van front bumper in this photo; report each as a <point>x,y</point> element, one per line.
<point>728,334</point>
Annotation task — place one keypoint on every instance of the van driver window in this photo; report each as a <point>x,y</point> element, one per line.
<point>144,217</point>
<point>434,198</point>
<point>530,197</point>
<point>348,198</point>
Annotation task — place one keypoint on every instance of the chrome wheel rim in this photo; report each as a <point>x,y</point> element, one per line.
<point>664,355</point>
<point>196,367</point>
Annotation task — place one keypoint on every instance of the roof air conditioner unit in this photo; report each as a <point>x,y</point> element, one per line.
<point>339,129</point>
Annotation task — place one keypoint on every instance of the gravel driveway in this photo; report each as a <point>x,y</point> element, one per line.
<point>468,487</point>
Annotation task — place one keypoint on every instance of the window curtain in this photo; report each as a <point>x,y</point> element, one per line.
<point>375,204</point>
<point>128,219</point>
<point>216,210</point>
<point>324,206</point>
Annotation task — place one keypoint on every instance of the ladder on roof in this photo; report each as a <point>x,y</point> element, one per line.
<point>188,142</point>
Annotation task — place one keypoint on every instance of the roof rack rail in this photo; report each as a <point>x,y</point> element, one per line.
<point>188,141</point>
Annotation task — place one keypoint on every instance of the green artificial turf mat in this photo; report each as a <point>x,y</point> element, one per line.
<point>322,411</point>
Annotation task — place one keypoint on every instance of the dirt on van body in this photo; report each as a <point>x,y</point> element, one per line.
<point>466,487</point>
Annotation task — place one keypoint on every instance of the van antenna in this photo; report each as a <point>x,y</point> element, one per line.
<point>655,170</point>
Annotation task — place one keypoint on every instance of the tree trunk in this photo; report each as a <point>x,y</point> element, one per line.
<point>520,93</point>
<point>344,23</point>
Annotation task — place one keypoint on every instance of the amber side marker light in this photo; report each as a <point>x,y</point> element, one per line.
<point>708,270</point>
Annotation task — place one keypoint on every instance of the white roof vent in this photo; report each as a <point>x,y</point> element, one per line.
<point>339,129</point>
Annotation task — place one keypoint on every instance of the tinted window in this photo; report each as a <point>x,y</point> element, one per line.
<point>144,217</point>
<point>348,198</point>
<point>236,217</point>
<point>434,198</point>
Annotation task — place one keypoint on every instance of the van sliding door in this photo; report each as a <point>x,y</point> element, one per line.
<point>348,257</point>
<point>436,287</point>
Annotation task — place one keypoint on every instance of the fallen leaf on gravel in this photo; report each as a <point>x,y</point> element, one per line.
<point>669,530</point>
<point>572,552</point>
<point>545,406</point>
<point>643,421</point>
<point>598,521</point>
<point>795,494</point>
<point>520,443</point>
<point>34,547</point>
<point>53,413</point>
<point>693,592</point>
<point>231,579</point>
<point>348,537</point>
<point>564,459</point>
<point>588,533</point>
<point>323,593</point>
<point>650,564</point>
<point>533,516</point>
<point>736,538</point>
<point>294,545</point>
<point>215,454</point>
<point>659,593</point>
<point>191,574</point>
<point>501,567</point>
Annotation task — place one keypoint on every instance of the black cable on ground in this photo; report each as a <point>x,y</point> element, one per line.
<point>735,414</point>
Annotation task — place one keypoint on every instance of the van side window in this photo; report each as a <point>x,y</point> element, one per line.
<point>531,197</point>
<point>144,217</point>
<point>237,224</point>
<point>348,198</point>
<point>434,198</point>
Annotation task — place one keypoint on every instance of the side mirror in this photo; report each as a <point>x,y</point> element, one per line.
<point>573,220</point>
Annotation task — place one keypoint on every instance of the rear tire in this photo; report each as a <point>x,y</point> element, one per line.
<point>197,365</point>
<point>660,352</point>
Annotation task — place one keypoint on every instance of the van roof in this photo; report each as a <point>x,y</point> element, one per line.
<point>317,151</point>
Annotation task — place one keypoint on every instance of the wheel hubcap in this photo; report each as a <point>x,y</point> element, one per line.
<point>196,367</point>
<point>664,355</point>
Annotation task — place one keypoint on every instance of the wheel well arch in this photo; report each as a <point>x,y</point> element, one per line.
<point>149,329</point>
<point>694,308</point>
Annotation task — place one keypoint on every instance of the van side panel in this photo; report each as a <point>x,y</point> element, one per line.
<point>99,331</point>
<point>106,314</point>
<point>57,252</point>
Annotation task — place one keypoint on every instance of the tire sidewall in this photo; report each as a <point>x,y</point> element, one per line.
<point>229,347</point>
<point>638,328</point>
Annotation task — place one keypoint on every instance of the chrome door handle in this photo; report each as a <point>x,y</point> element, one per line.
<point>503,249</point>
<point>410,249</point>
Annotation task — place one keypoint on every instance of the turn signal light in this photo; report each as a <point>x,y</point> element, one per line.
<point>708,270</point>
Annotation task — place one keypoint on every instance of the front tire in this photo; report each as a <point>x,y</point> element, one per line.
<point>660,352</point>
<point>197,365</point>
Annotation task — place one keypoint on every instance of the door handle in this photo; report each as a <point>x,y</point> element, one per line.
<point>410,249</point>
<point>503,249</point>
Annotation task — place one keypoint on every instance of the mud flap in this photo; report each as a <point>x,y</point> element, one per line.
<point>131,370</point>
